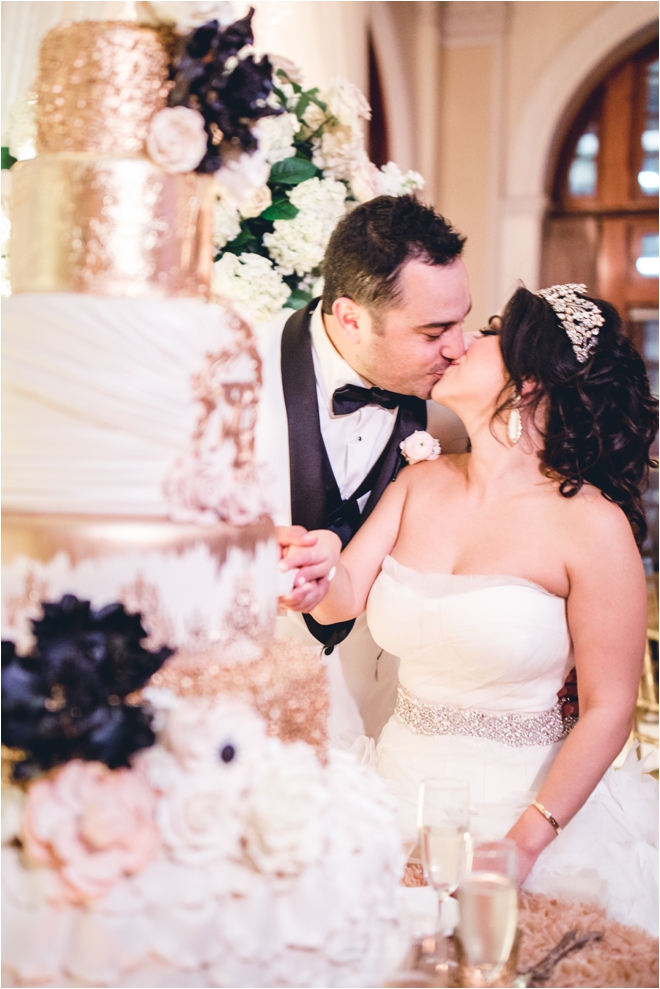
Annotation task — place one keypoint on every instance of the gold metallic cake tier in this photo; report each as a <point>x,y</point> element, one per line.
<point>99,85</point>
<point>110,226</point>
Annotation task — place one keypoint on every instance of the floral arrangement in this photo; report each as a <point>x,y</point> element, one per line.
<point>67,698</point>
<point>270,237</point>
<point>222,853</point>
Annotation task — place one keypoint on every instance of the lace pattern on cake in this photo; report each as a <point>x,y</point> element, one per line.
<point>218,479</point>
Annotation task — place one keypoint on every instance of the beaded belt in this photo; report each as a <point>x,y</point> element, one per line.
<point>515,730</point>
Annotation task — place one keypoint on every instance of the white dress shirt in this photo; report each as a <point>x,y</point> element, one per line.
<point>354,442</point>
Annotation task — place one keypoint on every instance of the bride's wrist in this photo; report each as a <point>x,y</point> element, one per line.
<point>532,832</point>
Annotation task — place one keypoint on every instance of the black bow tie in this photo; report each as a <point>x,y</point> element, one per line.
<point>350,398</point>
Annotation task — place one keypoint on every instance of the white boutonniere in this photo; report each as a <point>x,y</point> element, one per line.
<point>419,446</point>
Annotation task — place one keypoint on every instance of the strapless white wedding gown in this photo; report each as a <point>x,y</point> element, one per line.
<point>482,659</point>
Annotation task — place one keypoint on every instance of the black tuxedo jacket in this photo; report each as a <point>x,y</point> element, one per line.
<point>316,502</point>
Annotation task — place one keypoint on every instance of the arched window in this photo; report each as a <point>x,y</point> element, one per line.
<point>602,227</point>
<point>602,224</point>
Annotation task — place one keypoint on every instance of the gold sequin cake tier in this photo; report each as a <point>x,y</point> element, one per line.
<point>99,84</point>
<point>110,226</point>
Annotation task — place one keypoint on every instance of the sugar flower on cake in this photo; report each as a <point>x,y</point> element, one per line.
<point>177,139</point>
<point>420,446</point>
<point>285,830</point>
<point>92,825</point>
<point>202,731</point>
<point>202,774</point>
<point>254,282</point>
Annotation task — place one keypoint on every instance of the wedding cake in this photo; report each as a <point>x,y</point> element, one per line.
<point>171,813</point>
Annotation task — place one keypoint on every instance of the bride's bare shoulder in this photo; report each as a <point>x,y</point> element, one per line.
<point>590,518</point>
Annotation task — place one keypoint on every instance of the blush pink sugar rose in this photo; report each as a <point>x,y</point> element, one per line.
<point>92,824</point>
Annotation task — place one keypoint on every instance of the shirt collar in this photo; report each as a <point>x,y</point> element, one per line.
<point>333,370</point>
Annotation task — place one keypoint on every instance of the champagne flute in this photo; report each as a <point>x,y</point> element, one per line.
<point>443,819</point>
<point>488,910</point>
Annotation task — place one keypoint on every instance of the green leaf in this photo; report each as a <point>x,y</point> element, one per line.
<point>298,299</point>
<point>280,209</point>
<point>292,171</point>
<point>7,160</point>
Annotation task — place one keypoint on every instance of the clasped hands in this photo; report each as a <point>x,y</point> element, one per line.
<point>313,555</point>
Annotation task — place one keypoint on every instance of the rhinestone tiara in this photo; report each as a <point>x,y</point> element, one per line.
<point>581,318</point>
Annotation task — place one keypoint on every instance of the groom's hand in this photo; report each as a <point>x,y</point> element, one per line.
<point>312,555</point>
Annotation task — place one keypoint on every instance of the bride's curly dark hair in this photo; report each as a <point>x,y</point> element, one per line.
<point>600,416</point>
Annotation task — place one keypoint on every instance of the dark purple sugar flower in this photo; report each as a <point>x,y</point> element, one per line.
<point>67,698</point>
<point>230,91</point>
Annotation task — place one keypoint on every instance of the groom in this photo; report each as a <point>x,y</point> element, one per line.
<point>345,381</point>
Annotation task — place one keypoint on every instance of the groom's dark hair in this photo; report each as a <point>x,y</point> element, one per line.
<point>372,243</point>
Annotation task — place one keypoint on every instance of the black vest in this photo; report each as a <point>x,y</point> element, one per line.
<point>316,502</point>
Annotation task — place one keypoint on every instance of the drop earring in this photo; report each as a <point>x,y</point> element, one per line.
<point>514,425</point>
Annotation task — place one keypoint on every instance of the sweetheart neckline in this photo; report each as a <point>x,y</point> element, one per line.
<point>514,581</point>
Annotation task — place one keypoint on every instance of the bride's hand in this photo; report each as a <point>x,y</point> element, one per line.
<point>313,555</point>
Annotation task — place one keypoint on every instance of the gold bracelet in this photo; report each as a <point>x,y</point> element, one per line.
<point>548,816</point>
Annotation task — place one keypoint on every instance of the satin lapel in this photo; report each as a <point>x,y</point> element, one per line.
<point>407,421</point>
<point>306,450</point>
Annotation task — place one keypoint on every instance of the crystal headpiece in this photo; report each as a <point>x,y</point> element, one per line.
<point>580,317</point>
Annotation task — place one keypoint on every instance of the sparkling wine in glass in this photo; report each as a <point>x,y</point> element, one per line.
<point>488,908</point>
<point>443,822</point>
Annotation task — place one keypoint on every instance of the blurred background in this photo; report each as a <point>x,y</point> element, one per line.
<point>534,124</point>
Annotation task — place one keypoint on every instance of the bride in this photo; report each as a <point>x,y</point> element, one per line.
<point>490,574</point>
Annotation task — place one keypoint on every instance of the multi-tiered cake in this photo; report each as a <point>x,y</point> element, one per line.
<point>172,816</point>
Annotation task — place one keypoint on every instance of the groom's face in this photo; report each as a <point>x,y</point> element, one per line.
<point>408,347</point>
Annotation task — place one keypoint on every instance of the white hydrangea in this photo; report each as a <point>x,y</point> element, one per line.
<point>22,129</point>
<point>275,136</point>
<point>298,245</point>
<point>226,221</point>
<point>253,281</point>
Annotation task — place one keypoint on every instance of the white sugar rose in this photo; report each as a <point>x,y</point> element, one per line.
<point>258,200</point>
<point>199,809</point>
<point>419,446</point>
<point>285,813</point>
<point>177,140</point>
